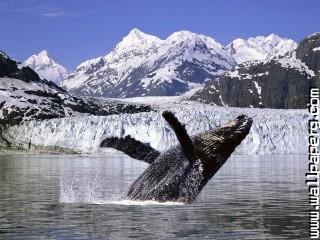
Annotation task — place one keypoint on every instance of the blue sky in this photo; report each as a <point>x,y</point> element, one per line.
<point>76,30</point>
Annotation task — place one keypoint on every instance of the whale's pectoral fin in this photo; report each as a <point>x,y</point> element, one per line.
<point>133,148</point>
<point>182,135</point>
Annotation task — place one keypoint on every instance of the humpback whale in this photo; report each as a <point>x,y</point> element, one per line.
<point>180,173</point>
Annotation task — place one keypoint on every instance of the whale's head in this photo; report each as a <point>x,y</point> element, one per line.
<point>214,147</point>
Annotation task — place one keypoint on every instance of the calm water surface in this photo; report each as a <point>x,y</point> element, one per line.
<point>83,197</point>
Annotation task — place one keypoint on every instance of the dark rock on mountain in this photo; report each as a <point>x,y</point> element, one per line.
<point>24,96</point>
<point>282,82</point>
<point>308,51</point>
<point>9,68</point>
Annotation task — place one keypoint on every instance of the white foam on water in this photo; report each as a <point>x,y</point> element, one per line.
<point>115,199</point>
<point>89,193</point>
<point>92,191</point>
<point>98,179</point>
<point>139,203</point>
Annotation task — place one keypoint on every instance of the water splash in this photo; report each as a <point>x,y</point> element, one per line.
<point>104,179</point>
<point>90,189</point>
<point>140,203</point>
<point>92,193</point>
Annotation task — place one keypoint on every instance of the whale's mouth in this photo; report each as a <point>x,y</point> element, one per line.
<point>228,136</point>
<point>245,120</point>
<point>242,122</point>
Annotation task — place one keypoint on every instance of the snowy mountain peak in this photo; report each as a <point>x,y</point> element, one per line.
<point>42,57</point>
<point>211,42</point>
<point>136,36</point>
<point>273,36</point>
<point>46,67</point>
<point>192,41</point>
<point>183,36</point>
<point>44,53</point>
<point>260,48</point>
<point>2,53</point>
<point>313,34</point>
<point>135,41</point>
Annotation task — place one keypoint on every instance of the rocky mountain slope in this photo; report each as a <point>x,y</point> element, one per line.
<point>25,96</point>
<point>309,53</point>
<point>46,67</point>
<point>144,65</point>
<point>280,82</point>
<point>260,48</point>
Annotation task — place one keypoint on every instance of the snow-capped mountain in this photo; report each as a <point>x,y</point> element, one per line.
<point>280,82</point>
<point>145,65</point>
<point>25,96</point>
<point>260,48</point>
<point>46,67</point>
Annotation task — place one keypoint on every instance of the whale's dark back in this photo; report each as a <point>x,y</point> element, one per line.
<point>173,177</point>
<point>161,179</point>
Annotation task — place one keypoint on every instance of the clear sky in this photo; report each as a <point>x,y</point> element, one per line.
<point>76,30</point>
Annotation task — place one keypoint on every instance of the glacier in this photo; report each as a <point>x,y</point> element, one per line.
<point>273,131</point>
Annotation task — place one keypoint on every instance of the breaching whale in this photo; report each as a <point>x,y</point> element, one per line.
<point>180,173</point>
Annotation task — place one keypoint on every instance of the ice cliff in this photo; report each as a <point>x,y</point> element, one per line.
<point>273,131</point>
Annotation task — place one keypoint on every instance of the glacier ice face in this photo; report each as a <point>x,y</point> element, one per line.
<point>273,131</point>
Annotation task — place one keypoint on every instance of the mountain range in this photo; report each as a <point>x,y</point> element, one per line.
<point>269,71</point>
<point>260,48</point>
<point>145,65</point>
<point>25,96</point>
<point>261,72</point>
<point>279,82</point>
